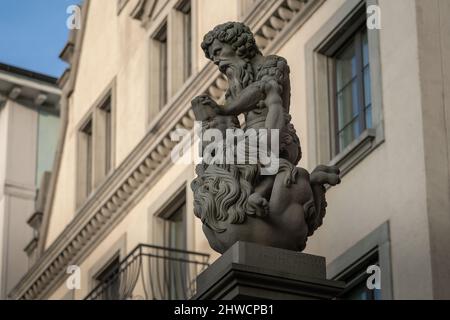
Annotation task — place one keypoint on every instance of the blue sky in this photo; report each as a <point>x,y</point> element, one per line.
<point>33,33</point>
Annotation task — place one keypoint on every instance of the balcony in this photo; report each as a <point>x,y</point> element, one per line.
<point>152,273</point>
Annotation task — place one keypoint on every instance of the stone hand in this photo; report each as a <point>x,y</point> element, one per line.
<point>208,101</point>
<point>325,175</point>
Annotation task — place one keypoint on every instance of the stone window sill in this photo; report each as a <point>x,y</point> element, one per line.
<point>355,151</point>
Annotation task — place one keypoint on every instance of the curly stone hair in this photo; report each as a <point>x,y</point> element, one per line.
<point>221,193</point>
<point>236,34</point>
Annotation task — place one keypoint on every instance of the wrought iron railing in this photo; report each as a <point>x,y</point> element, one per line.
<point>152,272</point>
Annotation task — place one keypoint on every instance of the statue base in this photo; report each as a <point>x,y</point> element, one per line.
<point>252,271</point>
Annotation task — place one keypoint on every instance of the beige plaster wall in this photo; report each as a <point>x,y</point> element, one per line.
<point>212,13</point>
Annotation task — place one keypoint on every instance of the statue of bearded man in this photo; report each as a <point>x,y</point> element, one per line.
<point>259,86</point>
<point>234,201</point>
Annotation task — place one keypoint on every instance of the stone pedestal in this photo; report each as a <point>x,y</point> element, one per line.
<point>252,271</point>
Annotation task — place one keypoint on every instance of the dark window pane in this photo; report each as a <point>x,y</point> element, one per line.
<point>187,41</point>
<point>88,151</point>
<point>376,294</point>
<point>175,266</point>
<point>110,280</point>
<point>163,62</point>
<point>365,48</point>
<point>352,89</point>
<point>177,230</point>
<point>347,104</point>
<point>355,277</point>
<point>367,89</point>
<point>348,134</point>
<point>359,292</point>
<point>345,66</point>
<point>163,73</point>
<point>89,156</point>
<point>368,116</point>
<point>108,134</point>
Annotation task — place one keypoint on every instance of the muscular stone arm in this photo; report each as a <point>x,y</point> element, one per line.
<point>246,101</point>
<point>274,104</point>
<point>321,176</point>
<point>267,90</point>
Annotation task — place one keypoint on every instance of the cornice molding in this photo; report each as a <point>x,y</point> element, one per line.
<point>147,162</point>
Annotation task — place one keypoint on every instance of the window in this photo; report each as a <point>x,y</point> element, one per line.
<point>95,153</point>
<point>176,239</point>
<point>108,137</point>
<point>187,39</point>
<point>169,227</point>
<point>86,160</point>
<point>109,277</point>
<point>176,229</point>
<point>351,267</point>
<point>161,39</point>
<point>169,231</point>
<point>351,91</point>
<point>87,133</point>
<point>344,96</point>
<point>355,278</point>
<point>104,123</point>
<point>171,56</point>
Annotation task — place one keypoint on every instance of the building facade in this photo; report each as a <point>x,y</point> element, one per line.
<point>372,98</point>
<point>29,121</point>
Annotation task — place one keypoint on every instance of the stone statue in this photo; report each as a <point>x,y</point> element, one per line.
<point>235,200</point>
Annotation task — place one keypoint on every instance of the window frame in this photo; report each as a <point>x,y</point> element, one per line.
<point>159,41</point>
<point>101,158</point>
<point>85,159</point>
<point>161,230</point>
<point>355,273</point>
<point>176,192</point>
<point>375,244</point>
<point>115,259</point>
<point>104,136</point>
<point>170,209</point>
<point>352,35</point>
<point>117,249</point>
<point>108,139</point>
<point>318,97</point>
<point>181,53</point>
<point>185,8</point>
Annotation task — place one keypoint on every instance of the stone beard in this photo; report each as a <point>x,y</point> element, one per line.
<point>239,76</point>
